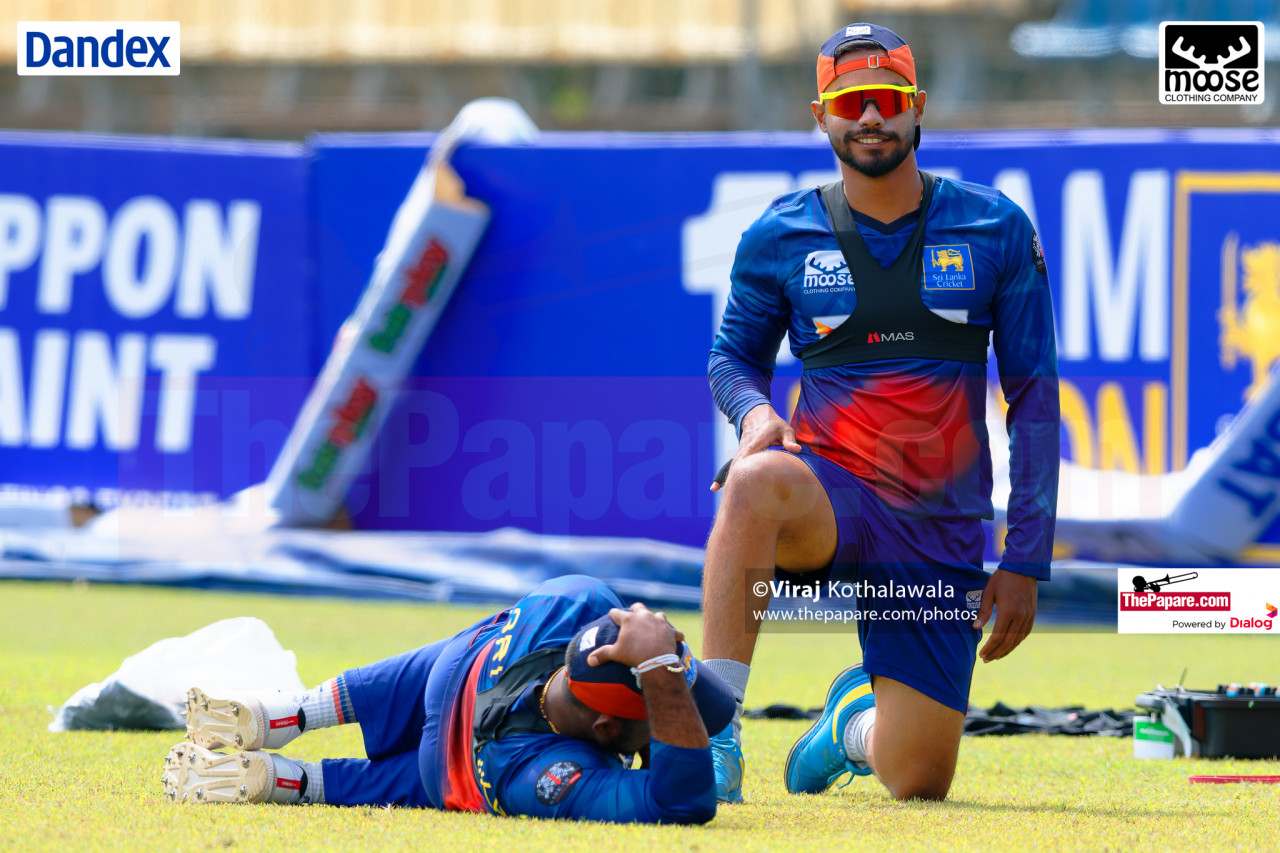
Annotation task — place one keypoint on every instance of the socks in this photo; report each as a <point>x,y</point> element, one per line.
<point>313,791</point>
<point>326,705</point>
<point>735,674</point>
<point>855,735</point>
<point>296,781</point>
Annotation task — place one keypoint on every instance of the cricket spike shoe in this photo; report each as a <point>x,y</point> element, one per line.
<point>726,758</point>
<point>818,758</point>
<point>193,774</point>
<point>242,720</point>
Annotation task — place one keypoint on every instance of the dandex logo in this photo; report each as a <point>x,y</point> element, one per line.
<point>1212,62</point>
<point>93,48</point>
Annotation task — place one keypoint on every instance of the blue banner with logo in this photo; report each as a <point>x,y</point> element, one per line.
<point>156,322</point>
<point>563,390</point>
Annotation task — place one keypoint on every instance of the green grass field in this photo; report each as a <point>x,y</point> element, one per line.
<point>101,790</point>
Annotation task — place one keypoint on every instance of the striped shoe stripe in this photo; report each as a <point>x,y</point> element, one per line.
<point>852,696</point>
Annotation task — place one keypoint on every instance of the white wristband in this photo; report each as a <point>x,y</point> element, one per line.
<point>671,662</point>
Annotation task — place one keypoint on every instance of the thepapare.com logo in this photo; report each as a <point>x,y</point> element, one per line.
<point>99,48</point>
<point>1209,62</point>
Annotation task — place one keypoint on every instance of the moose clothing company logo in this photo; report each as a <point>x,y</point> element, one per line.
<point>827,272</point>
<point>99,48</point>
<point>1207,62</point>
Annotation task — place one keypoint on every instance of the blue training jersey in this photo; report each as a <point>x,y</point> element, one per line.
<point>913,429</point>
<point>555,776</point>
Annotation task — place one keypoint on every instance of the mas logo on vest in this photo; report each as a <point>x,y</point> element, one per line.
<point>948,267</point>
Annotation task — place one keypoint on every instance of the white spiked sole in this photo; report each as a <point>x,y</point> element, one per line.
<point>217,722</point>
<point>193,774</point>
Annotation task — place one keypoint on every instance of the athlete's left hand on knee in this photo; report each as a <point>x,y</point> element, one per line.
<point>1013,597</point>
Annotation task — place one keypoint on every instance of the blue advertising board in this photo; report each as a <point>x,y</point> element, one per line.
<point>563,390</point>
<point>154,312</point>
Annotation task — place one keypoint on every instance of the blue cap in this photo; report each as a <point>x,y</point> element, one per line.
<point>899,59</point>
<point>611,688</point>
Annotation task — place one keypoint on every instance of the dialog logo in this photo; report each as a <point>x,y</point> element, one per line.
<point>99,48</point>
<point>1212,62</point>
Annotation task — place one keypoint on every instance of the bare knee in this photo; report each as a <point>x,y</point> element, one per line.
<point>920,788</point>
<point>918,772</point>
<point>754,474</point>
<point>772,486</point>
<point>915,742</point>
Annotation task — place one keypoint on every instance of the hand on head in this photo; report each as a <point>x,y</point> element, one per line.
<point>642,635</point>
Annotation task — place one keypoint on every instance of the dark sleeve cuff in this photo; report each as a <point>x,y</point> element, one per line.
<point>1039,571</point>
<point>683,783</point>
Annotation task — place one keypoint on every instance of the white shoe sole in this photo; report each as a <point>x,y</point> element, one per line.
<point>235,722</point>
<point>193,774</point>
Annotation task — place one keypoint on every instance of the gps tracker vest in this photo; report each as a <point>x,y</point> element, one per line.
<point>889,319</point>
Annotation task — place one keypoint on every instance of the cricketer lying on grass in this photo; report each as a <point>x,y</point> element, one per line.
<point>536,710</point>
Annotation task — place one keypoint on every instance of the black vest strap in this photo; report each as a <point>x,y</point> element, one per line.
<point>889,319</point>
<point>493,719</point>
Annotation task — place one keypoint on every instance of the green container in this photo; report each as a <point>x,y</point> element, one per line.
<point>1151,739</point>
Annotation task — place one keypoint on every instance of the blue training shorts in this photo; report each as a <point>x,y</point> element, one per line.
<point>917,578</point>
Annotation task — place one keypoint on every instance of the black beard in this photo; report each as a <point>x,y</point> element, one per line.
<point>881,164</point>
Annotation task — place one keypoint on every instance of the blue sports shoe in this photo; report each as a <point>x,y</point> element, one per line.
<point>726,757</point>
<point>818,758</point>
